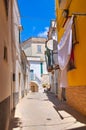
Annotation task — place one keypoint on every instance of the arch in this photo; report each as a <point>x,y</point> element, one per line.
<point>34,86</point>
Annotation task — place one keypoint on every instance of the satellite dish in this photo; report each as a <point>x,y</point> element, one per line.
<point>50,44</point>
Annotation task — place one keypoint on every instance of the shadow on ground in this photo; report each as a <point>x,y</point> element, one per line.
<point>63,106</point>
<point>15,122</point>
<point>80,128</point>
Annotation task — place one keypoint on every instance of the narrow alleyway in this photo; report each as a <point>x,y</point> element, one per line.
<point>42,111</point>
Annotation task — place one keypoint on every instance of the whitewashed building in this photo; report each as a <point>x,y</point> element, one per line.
<point>51,55</point>
<point>34,49</point>
<point>21,66</point>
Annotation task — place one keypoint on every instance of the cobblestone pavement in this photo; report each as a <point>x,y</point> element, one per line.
<point>43,111</point>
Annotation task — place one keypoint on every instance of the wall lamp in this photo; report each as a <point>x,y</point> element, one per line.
<point>20,27</point>
<point>65,13</point>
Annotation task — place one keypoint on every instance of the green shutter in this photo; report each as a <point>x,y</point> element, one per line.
<point>41,66</point>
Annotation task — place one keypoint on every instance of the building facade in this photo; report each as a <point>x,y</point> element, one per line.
<point>11,58</point>
<point>5,64</point>
<point>16,54</point>
<point>34,49</point>
<point>52,57</point>
<point>20,63</point>
<point>76,90</point>
<point>25,69</point>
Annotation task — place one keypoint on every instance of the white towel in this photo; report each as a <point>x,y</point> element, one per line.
<point>63,78</point>
<point>64,51</point>
<point>65,46</point>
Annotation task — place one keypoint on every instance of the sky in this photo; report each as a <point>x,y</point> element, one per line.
<point>35,17</point>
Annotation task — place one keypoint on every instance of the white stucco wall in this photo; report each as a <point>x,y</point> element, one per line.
<point>45,68</point>
<point>35,58</point>
<point>36,67</point>
<point>16,23</point>
<point>34,49</point>
<point>18,70</point>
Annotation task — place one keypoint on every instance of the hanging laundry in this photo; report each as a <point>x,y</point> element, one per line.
<point>65,46</point>
<point>63,78</point>
<point>64,52</point>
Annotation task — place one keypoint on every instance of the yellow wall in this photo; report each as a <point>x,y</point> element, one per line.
<point>75,77</point>
<point>76,90</point>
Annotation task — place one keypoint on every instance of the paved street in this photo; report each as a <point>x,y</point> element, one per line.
<point>42,111</point>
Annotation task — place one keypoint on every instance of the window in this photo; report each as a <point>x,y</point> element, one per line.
<point>41,68</point>
<point>13,76</point>
<point>6,6</point>
<point>60,2</point>
<point>38,48</point>
<point>5,53</point>
<point>63,4</point>
<point>32,74</point>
